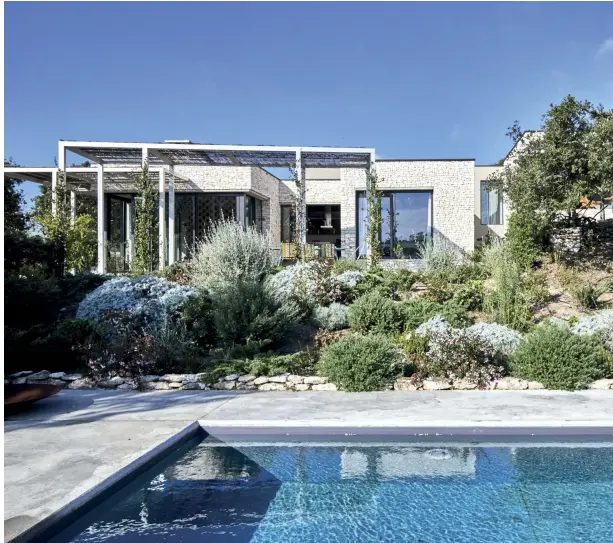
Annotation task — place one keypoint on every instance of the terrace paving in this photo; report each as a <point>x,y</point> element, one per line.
<point>65,445</point>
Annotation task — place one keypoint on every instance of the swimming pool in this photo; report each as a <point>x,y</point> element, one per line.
<point>365,489</point>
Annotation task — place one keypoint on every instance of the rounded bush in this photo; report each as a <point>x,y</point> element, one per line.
<point>559,359</point>
<point>503,339</point>
<point>375,313</point>
<point>151,298</point>
<point>333,317</point>
<point>360,363</point>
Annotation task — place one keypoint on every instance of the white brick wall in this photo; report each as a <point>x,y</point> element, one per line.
<point>451,183</point>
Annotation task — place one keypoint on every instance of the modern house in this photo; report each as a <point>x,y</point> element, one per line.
<point>202,182</point>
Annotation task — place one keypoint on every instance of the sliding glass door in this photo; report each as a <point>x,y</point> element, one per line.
<point>406,222</point>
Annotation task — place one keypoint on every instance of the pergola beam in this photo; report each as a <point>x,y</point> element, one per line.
<point>85,154</point>
<point>232,158</point>
<point>161,156</point>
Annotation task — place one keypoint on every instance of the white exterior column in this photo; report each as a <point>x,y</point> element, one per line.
<point>129,233</point>
<point>73,206</point>
<point>372,172</point>
<point>171,215</point>
<point>101,221</point>
<point>301,211</point>
<point>162,220</point>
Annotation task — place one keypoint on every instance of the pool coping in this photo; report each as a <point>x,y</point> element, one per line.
<point>469,432</point>
<point>52,524</point>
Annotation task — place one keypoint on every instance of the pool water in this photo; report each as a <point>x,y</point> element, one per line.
<point>368,492</point>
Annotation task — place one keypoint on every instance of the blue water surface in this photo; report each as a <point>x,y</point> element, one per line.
<point>364,492</point>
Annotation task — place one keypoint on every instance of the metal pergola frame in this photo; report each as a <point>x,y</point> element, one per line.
<point>119,162</point>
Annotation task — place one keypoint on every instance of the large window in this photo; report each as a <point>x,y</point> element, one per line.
<point>491,204</point>
<point>253,212</point>
<point>406,222</point>
<point>288,223</point>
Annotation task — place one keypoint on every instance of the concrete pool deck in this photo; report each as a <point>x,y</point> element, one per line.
<point>67,444</point>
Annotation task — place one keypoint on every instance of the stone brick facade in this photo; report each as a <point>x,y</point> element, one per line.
<point>451,183</point>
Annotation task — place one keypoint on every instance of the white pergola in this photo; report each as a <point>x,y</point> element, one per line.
<point>112,160</point>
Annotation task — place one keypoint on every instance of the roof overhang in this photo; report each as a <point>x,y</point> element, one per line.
<point>264,156</point>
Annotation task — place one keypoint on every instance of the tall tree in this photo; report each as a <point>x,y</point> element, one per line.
<point>571,157</point>
<point>15,220</point>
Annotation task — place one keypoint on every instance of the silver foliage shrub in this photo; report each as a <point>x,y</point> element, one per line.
<point>229,253</point>
<point>350,278</point>
<point>333,317</point>
<point>152,298</point>
<point>437,324</point>
<point>600,323</point>
<point>502,339</point>
<point>439,255</point>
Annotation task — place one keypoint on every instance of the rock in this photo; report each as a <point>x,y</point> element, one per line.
<point>535,385</point>
<point>83,383</point>
<point>224,385</point>
<point>315,380</point>
<point>246,378</point>
<point>301,387</point>
<point>231,377</point>
<point>54,382</point>
<point>295,379</point>
<point>20,374</point>
<point>278,379</point>
<point>57,375</point>
<point>19,381</point>
<point>511,383</point>
<point>261,380</point>
<point>191,386</point>
<point>202,386</point>
<point>325,386</point>
<point>149,378</point>
<point>271,386</point>
<point>179,378</point>
<point>72,376</point>
<point>435,384</point>
<point>602,384</point>
<point>127,386</point>
<point>249,386</point>
<point>39,376</point>
<point>174,384</point>
<point>148,385</point>
<point>114,382</point>
<point>162,386</point>
<point>464,384</point>
<point>405,383</point>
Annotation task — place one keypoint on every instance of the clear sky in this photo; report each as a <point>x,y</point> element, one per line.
<point>413,80</point>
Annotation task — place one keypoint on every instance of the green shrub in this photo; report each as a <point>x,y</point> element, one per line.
<point>197,316</point>
<point>418,311</point>
<point>244,312</point>
<point>345,264</point>
<point>458,354</point>
<point>469,295</point>
<point>333,317</point>
<point>505,299</point>
<point>415,348</point>
<point>376,313</point>
<point>391,284</point>
<point>535,285</point>
<point>360,363</point>
<point>585,293</point>
<point>526,237</point>
<point>559,359</point>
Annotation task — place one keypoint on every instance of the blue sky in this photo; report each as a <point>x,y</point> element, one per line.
<point>437,80</point>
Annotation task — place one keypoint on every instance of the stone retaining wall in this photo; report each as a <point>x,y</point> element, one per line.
<point>597,238</point>
<point>284,381</point>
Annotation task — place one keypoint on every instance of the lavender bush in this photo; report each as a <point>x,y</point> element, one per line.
<point>333,317</point>
<point>502,339</point>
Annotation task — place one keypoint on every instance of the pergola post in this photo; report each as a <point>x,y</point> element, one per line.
<point>129,215</point>
<point>162,219</point>
<point>101,221</point>
<point>369,181</point>
<point>171,215</point>
<point>301,218</point>
<point>54,175</point>
<point>73,207</point>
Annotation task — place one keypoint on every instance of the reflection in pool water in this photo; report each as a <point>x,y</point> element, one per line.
<point>363,492</point>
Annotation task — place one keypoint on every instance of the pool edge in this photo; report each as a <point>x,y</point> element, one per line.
<point>52,524</point>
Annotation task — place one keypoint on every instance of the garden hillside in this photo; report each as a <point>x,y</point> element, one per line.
<point>518,313</point>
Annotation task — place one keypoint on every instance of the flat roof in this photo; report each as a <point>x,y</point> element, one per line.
<point>263,156</point>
